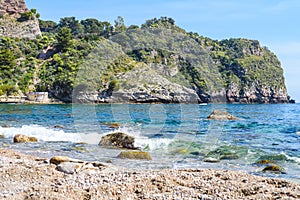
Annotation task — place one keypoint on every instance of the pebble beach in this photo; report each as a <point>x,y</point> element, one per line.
<point>28,177</point>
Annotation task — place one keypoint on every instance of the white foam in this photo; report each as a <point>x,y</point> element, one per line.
<point>296,159</point>
<point>41,133</point>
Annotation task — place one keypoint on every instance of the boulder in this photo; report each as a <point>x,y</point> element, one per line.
<point>60,159</point>
<point>221,115</point>
<point>118,140</point>
<point>69,167</point>
<point>274,169</point>
<point>136,155</point>
<point>24,139</point>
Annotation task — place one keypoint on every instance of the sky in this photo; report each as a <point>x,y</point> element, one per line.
<point>275,23</point>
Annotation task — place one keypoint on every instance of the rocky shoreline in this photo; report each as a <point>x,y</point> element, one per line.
<point>28,177</point>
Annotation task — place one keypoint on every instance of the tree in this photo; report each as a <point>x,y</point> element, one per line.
<point>47,26</point>
<point>120,24</point>
<point>64,38</point>
<point>71,23</point>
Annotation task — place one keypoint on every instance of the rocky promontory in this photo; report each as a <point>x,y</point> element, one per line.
<point>17,21</point>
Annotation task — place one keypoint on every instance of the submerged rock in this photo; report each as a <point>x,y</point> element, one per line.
<point>137,155</point>
<point>275,169</point>
<point>264,162</point>
<point>112,125</point>
<point>211,160</point>
<point>58,126</point>
<point>221,115</point>
<point>118,140</point>
<point>23,139</point>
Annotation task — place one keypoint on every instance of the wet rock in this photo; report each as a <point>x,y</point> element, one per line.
<point>4,126</point>
<point>112,125</point>
<point>264,162</point>
<point>56,160</point>
<point>24,139</point>
<point>221,115</point>
<point>118,140</point>
<point>58,126</point>
<point>137,155</point>
<point>1,136</point>
<point>275,169</point>
<point>211,160</point>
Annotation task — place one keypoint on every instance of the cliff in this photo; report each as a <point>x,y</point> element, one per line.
<point>159,62</point>
<point>12,7</point>
<point>17,21</point>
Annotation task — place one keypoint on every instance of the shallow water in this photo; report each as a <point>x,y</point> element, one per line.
<point>176,135</point>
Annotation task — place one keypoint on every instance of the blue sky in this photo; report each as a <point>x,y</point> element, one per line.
<point>275,23</point>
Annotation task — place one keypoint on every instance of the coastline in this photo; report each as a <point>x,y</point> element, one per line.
<point>28,177</point>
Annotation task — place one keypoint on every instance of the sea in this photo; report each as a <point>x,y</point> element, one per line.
<point>176,135</point>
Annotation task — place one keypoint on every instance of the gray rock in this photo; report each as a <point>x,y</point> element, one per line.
<point>118,140</point>
<point>69,167</point>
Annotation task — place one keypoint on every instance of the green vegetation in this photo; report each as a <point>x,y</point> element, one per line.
<point>51,62</point>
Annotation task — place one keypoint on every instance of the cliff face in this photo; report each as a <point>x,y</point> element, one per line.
<point>12,7</point>
<point>11,10</point>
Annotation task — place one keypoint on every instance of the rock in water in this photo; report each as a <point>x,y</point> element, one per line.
<point>275,169</point>
<point>23,138</point>
<point>221,115</point>
<point>1,136</point>
<point>118,140</point>
<point>137,155</point>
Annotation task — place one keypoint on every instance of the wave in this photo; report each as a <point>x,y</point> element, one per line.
<point>41,133</point>
<point>47,134</point>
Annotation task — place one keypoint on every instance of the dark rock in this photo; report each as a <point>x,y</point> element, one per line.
<point>211,160</point>
<point>118,140</point>
<point>274,169</point>
<point>59,126</point>
<point>137,155</point>
<point>4,126</point>
<point>24,139</point>
<point>221,115</point>
<point>264,162</point>
<point>1,136</point>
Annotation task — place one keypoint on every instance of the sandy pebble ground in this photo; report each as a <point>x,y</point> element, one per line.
<point>27,177</point>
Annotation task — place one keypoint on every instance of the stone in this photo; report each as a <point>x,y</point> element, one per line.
<point>264,162</point>
<point>112,125</point>
<point>58,126</point>
<point>211,160</point>
<point>136,155</point>
<point>69,167</point>
<point>275,169</point>
<point>60,159</point>
<point>118,140</point>
<point>221,115</point>
<point>4,126</point>
<point>24,139</point>
<point>1,136</point>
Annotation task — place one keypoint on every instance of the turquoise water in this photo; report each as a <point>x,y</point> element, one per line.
<point>175,135</point>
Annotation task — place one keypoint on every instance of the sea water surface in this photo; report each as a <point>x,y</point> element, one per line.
<point>176,135</point>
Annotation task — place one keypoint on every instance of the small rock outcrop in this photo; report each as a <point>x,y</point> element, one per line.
<point>24,139</point>
<point>221,115</point>
<point>136,155</point>
<point>12,7</point>
<point>118,140</point>
<point>10,11</point>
